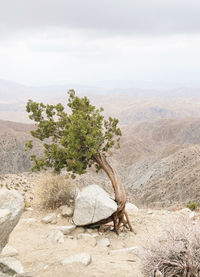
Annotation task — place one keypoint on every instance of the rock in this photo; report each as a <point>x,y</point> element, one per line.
<point>56,236</point>
<point>185,210</point>
<point>66,230</point>
<point>192,215</point>
<point>78,230</point>
<point>134,249</point>
<point>10,266</point>
<point>150,212</point>
<point>83,258</point>
<point>66,211</point>
<point>11,208</point>
<point>9,251</point>
<point>51,218</point>
<point>104,242</point>
<point>130,208</point>
<point>92,205</point>
<point>4,215</point>
<point>138,220</point>
<point>87,239</point>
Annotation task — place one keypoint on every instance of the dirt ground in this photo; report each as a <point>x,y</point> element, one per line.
<point>42,257</point>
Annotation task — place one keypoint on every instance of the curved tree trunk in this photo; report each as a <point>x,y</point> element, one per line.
<point>120,216</point>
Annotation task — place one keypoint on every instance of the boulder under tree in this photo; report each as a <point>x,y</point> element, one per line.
<point>76,141</point>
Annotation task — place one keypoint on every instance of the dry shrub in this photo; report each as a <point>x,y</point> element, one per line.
<point>176,254</point>
<point>53,191</point>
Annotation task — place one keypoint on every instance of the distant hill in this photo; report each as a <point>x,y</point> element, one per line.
<point>129,105</point>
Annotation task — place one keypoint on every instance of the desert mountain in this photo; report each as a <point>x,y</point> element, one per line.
<point>129,105</point>
<point>159,161</point>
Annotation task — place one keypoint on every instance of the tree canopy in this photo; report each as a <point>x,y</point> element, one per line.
<point>72,140</point>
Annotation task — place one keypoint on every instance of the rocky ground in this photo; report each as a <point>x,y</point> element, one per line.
<point>42,248</point>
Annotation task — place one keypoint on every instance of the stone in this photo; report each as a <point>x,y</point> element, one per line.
<point>9,251</point>
<point>92,205</point>
<point>87,239</point>
<point>134,250</point>
<point>11,208</point>
<point>192,215</point>
<point>51,218</point>
<point>56,236</point>
<point>66,211</point>
<point>83,258</point>
<point>131,208</point>
<point>78,230</point>
<point>150,212</point>
<point>10,266</point>
<point>66,230</point>
<point>104,242</point>
<point>185,210</point>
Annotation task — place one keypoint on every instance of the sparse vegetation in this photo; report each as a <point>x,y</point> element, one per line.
<point>175,255</point>
<point>53,191</point>
<point>192,206</point>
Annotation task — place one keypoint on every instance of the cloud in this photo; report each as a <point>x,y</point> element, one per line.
<point>105,17</point>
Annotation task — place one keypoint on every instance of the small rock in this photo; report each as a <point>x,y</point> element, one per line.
<point>185,210</point>
<point>104,242</point>
<point>78,230</point>
<point>56,236</point>
<point>83,258</point>
<point>88,239</point>
<point>95,235</point>
<point>66,230</point>
<point>66,211</point>
<point>149,212</point>
<point>28,209</point>
<point>138,220</point>
<point>130,208</point>
<point>192,215</point>
<point>134,249</point>
<point>9,251</point>
<point>11,266</point>
<point>51,218</point>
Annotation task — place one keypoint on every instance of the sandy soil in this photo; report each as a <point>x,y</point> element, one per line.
<point>42,257</point>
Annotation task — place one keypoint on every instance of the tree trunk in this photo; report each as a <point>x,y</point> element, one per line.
<point>120,216</point>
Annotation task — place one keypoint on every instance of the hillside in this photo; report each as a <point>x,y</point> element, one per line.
<point>12,139</point>
<point>159,162</point>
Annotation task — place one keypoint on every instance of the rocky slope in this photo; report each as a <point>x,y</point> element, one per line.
<point>158,162</point>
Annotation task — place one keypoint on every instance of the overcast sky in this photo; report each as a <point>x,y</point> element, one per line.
<point>128,42</point>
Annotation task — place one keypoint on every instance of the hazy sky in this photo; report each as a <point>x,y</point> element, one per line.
<point>133,42</point>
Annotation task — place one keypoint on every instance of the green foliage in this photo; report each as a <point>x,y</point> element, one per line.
<point>192,206</point>
<point>73,140</point>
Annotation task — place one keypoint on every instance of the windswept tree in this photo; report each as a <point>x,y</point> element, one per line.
<point>77,140</point>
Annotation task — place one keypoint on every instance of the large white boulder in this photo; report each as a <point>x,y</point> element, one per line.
<point>11,208</point>
<point>92,205</point>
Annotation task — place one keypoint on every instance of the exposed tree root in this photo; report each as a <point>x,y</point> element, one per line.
<point>120,217</point>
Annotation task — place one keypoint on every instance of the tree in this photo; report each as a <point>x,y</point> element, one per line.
<point>76,141</point>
